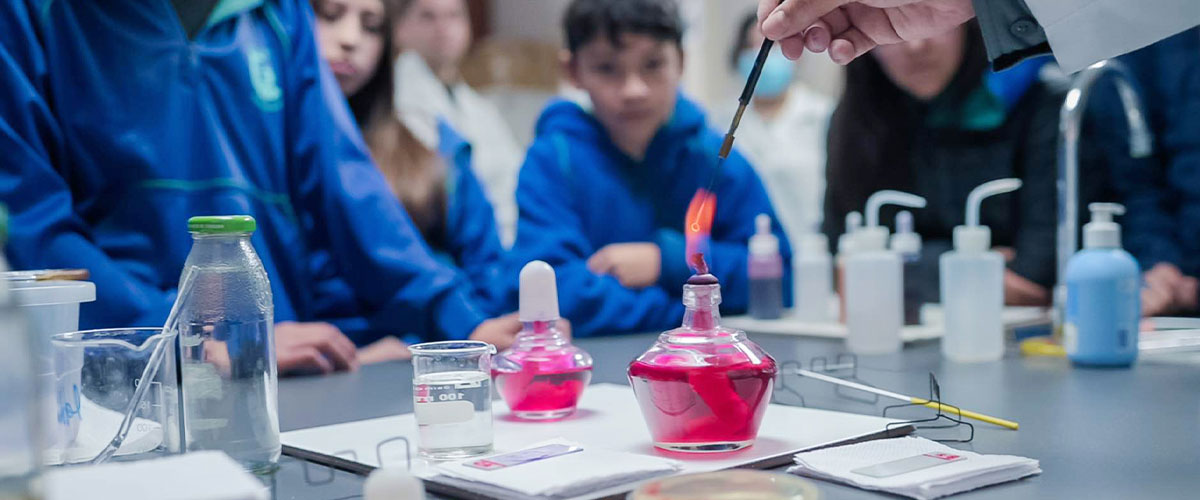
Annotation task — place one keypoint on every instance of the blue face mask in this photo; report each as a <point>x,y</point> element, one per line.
<point>776,74</point>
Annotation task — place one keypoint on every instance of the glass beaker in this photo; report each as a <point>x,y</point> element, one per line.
<point>120,386</point>
<point>452,398</point>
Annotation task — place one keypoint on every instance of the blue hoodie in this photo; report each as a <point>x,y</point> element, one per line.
<point>115,128</point>
<point>469,243</point>
<point>578,192</point>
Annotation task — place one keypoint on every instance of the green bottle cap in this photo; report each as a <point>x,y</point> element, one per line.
<point>222,224</point>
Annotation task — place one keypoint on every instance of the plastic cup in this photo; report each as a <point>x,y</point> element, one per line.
<point>52,307</point>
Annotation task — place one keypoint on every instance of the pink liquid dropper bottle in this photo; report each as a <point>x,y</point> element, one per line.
<point>542,375</point>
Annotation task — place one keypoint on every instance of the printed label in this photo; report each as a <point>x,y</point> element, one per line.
<point>906,465</point>
<point>448,412</point>
<point>523,456</point>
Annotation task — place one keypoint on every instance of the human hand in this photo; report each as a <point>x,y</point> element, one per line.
<point>1019,291</point>
<point>850,28</point>
<point>386,349</point>
<point>499,332</point>
<point>635,265</point>
<point>1168,291</point>
<point>313,348</point>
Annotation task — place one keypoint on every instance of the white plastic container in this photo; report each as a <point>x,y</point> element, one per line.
<point>972,277</point>
<point>814,278</point>
<point>52,307</point>
<point>874,288</point>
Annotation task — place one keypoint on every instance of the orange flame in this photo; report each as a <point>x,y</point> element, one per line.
<point>698,228</point>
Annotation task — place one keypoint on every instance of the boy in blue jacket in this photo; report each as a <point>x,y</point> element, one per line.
<point>604,191</point>
<point>119,120</point>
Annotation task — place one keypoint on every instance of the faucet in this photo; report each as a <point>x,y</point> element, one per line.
<point>1070,123</point>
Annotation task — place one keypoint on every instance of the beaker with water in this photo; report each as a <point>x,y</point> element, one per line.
<point>452,398</point>
<point>120,386</point>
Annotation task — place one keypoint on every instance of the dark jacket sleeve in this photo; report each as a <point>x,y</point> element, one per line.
<point>1010,31</point>
<point>1038,197</point>
<point>44,230</point>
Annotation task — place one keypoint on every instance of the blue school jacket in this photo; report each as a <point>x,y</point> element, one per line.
<point>116,128</point>
<point>469,243</point>
<point>577,193</point>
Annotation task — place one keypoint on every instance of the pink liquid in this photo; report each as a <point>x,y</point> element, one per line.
<point>687,407</point>
<point>547,386</point>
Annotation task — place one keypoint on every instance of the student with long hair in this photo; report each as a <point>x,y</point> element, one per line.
<point>437,188</point>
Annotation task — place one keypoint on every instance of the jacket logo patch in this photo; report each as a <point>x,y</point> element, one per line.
<point>267,94</point>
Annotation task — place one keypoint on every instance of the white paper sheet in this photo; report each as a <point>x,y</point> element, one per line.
<point>608,418</point>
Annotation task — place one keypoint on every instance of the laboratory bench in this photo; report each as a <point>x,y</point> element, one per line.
<point>1099,433</point>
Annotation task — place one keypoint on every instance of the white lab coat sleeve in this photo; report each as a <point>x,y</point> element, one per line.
<point>1082,32</point>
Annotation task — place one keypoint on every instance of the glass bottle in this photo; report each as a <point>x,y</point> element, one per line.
<point>227,345</point>
<point>703,387</point>
<point>542,375</point>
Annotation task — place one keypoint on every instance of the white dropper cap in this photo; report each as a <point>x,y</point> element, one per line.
<point>1102,232</point>
<point>906,241</point>
<point>391,483</point>
<point>973,237</point>
<point>875,237</point>
<point>764,242</point>
<point>539,293</point>
<point>854,222</point>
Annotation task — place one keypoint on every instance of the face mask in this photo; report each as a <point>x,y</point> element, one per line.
<point>776,74</point>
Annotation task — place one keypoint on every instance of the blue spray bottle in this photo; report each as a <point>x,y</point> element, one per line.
<point>1103,295</point>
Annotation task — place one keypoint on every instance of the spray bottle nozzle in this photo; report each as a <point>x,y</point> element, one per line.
<point>1104,212</point>
<point>889,197</point>
<point>1102,232</point>
<point>875,237</point>
<point>975,199</point>
<point>971,237</point>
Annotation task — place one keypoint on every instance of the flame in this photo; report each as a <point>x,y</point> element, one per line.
<point>698,228</point>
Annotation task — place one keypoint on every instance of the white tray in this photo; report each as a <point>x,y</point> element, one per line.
<point>608,418</point>
<point>932,326</point>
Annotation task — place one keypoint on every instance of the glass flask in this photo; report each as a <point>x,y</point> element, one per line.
<point>542,375</point>
<point>702,387</point>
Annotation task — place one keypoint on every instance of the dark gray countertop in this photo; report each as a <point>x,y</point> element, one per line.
<point>1098,433</point>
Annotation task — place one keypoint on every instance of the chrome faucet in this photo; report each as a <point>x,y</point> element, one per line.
<point>1070,123</point>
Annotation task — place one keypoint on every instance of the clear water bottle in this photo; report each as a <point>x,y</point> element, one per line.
<point>20,416</point>
<point>227,345</point>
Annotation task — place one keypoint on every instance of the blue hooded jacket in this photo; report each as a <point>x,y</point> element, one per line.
<point>469,243</point>
<point>578,192</point>
<point>116,128</point>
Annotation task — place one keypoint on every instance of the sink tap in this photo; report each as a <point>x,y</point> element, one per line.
<point>1070,123</point>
